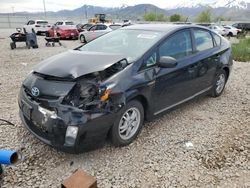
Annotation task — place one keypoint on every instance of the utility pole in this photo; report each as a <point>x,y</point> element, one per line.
<point>86,12</point>
<point>13,12</point>
<point>44,9</point>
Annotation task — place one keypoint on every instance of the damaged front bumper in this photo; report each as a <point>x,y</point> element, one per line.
<point>64,127</point>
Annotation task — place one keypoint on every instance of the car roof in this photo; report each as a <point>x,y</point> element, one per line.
<point>161,27</point>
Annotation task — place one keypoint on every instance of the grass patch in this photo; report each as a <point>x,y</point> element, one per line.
<point>241,50</point>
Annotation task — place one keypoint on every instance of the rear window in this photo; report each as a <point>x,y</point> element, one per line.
<point>69,23</point>
<point>42,22</point>
<point>203,40</point>
<point>114,27</point>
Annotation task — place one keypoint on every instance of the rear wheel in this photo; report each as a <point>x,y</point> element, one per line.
<point>219,83</point>
<point>128,124</point>
<point>230,34</point>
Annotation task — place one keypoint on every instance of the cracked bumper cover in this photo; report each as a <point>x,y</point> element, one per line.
<point>51,129</point>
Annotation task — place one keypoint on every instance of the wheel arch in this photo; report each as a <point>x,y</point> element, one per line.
<point>144,102</point>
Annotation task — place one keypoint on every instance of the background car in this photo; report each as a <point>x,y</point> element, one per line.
<point>232,31</point>
<point>107,88</point>
<point>242,26</point>
<point>63,32</point>
<point>83,27</point>
<point>96,31</point>
<point>38,26</point>
<point>219,29</point>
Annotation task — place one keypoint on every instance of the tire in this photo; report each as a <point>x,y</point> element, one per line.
<point>134,113</point>
<point>230,34</point>
<point>82,39</point>
<point>53,44</point>
<point>12,45</point>
<point>219,83</point>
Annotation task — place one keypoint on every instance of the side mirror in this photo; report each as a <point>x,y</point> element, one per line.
<point>167,62</point>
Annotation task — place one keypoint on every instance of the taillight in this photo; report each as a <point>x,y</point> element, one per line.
<point>37,25</point>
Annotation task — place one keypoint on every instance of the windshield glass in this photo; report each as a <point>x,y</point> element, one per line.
<point>130,43</point>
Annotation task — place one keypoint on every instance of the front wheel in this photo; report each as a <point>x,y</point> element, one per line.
<point>219,83</point>
<point>128,124</point>
<point>82,39</point>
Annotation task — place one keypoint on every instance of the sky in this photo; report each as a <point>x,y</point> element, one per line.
<point>55,5</point>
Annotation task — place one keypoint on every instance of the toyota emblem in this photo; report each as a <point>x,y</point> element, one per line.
<point>35,91</point>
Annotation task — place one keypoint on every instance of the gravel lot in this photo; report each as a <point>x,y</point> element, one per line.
<point>218,128</point>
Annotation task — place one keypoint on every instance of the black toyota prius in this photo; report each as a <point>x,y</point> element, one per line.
<point>73,101</point>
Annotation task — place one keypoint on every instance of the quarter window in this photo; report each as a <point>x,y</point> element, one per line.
<point>203,40</point>
<point>177,46</point>
<point>151,60</point>
<point>217,39</point>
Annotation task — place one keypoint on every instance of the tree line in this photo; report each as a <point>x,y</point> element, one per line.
<point>204,17</point>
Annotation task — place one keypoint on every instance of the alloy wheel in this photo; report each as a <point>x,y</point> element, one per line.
<point>220,83</point>
<point>129,123</point>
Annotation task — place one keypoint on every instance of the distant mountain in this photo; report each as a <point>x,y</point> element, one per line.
<point>234,4</point>
<point>233,9</point>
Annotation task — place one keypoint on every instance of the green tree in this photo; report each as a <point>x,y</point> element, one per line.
<point>175,18</point>
<point>150,16</point>
<point>161,17</point>
<point>204,16</point>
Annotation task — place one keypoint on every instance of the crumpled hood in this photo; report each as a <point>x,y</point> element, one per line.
<point>73,64</point>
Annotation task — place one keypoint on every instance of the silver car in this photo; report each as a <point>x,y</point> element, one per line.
<point>96,31</point>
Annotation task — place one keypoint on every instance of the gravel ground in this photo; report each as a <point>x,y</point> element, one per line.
<point>219,130</point>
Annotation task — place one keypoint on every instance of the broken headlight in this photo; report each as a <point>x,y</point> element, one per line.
<point>84,92</point>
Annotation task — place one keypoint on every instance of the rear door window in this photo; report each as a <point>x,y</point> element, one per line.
<point>101,27</point>
<point>203,40</point>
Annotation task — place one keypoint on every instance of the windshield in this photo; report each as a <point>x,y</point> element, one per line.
<point>130,43</point>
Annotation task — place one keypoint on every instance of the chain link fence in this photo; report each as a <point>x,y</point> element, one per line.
<point>12,21</point>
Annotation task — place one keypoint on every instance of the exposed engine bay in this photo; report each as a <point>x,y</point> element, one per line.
<point>87,92</point>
